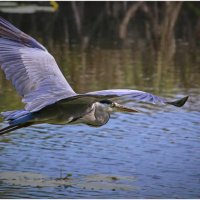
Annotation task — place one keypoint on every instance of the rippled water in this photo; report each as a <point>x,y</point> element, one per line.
<point>154,154</point>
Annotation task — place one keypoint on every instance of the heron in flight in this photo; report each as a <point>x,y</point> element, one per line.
<point>47,95</point>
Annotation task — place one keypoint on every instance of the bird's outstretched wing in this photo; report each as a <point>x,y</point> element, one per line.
<point>32,70</point>
<point>131,95</point>
<point>137,95</point>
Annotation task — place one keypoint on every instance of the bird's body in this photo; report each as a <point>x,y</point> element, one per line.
<point>96,114</point>
<point>72,114</point>
<point>47,95</point>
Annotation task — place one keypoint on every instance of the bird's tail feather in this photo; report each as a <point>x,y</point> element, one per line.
<point>14,127</point>
<point>17,119</point>
<point>14,114</point>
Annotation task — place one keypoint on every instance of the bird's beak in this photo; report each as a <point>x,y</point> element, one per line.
<point>121,108</point>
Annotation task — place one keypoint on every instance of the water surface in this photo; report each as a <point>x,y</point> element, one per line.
<point>154,154</point>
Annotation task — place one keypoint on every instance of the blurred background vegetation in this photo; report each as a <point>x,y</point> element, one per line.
<point>153,24</point>
<point>152,46</point>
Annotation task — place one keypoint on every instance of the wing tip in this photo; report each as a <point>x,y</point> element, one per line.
<point>180,102</point>
<point>9,32</point>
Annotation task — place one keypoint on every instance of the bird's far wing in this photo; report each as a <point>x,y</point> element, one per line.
<point>115,94</point>
<point>136,95</point>
<point>32,70</point>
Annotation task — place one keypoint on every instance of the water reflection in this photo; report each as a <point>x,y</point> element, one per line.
<point>108,68</point>
<point>97,69</point>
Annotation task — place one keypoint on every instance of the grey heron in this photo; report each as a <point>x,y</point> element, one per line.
<point>47,95</point>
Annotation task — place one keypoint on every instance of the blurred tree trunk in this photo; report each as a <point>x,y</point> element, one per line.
<point>162,26</point>
<point>77,18</point>
<point>167,43</point>
<point>162,19</point>
<point>167,46</point>
<point>128,15</point>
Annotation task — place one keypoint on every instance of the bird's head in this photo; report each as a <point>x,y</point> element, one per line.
<point>111,106</point>
<point>102,110</point>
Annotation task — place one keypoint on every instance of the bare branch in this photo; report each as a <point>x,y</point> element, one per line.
<point>77,17</point>
<point>130,13</point>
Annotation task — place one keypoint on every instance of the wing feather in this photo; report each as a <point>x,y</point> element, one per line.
<point>136,95</point>
<point>116,94</point>
<point>31,69</point>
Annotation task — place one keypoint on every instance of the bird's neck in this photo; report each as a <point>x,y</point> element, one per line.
<point>101,114</point>
<point>97,116</point>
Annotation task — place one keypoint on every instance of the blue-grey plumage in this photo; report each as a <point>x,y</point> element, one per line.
<point>47,95</point>
<point>96,114</point>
